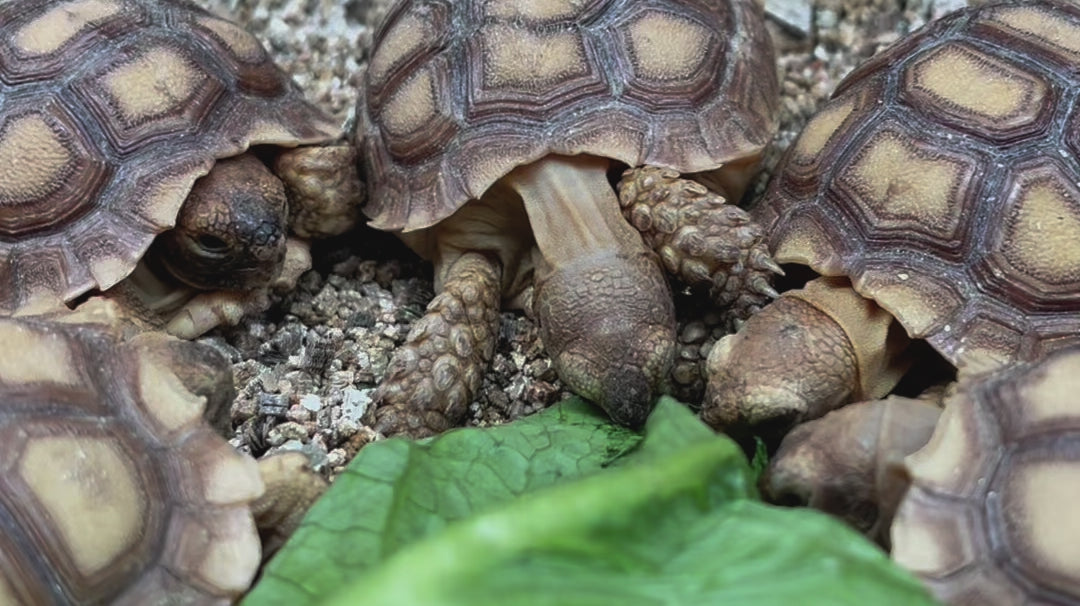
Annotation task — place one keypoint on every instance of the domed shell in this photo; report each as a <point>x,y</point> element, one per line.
<point>991,517</point>
<point>460,92</point>
<point>109,111</point>
<point>112,487</point>
<point>944,179</point>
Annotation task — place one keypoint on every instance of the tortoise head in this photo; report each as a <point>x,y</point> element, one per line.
<point>232,229</point>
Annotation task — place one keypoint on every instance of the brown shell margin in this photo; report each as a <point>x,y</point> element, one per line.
<point>736,122</point>
<point>959,305</point>
<point>199,509</point>
<point>961,527</point>
<point>258,106</point>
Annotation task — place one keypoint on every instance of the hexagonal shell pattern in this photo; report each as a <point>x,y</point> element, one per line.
<point>113,489</point>
<point>109,111</point>
<point>991,515</point>
<point>943,178</point>
<point>459,93</point>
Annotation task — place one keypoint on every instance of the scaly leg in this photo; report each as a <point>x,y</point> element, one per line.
<point>434,376</point>
<point>700,237</point>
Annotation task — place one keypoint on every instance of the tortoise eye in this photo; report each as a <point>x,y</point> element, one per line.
<point>212,243</point>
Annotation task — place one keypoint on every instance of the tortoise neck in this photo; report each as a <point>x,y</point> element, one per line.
<point>572,208</point>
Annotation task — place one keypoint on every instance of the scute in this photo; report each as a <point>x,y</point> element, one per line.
<point>1016,435</point>
<point>939,180</point>
<point>94,494</point>
<point>987,96</point>
<point>50,169</point>
<point>153,91</point>
<point>1033,246</point>
<point>449,112</point>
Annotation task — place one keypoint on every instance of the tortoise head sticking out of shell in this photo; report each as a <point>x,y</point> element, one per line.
<point>110,112</point>
<point>491,132</point>
<point>985,508</point>
<point>114,489</point>
<point>937,195</point>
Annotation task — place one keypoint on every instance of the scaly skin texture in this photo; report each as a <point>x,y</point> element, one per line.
<point>811,351</point>
<point>191,314</point>
<point>790,362</point>
<point>608,322</point>
<point>700,237</point>
<point>231,232</point>
<point>434,376</point>
<point>324,189</point>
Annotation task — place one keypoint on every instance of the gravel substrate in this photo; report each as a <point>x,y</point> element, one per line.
<point>306,370</point>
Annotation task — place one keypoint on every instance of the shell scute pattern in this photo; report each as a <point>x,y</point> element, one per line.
<point>953,201</point>
<point>114,489</point>
<point>989,517</point>
<point>451,112</point>
<point>109,111</point>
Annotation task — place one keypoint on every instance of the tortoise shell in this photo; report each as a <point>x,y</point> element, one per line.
<point>991,515</point>
<point>943,178</point>
<point>109,111</point>
<point>460,92</point>
<point>113,488</point>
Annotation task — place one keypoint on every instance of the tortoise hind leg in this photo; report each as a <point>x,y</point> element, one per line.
<point>432,377</point>
<point>700,237</point>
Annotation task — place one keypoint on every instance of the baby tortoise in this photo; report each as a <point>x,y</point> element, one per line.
<point>938,197</point>
<point>115,489</point>
<point>124,119</point>
<point>985,510</point>
<point>492,132</point>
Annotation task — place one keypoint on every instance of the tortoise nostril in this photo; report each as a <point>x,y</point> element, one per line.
<point>790,498</point>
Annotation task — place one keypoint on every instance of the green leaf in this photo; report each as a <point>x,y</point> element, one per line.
<point>397,491</point>
<point>760,462</point>
<point>564,508</point>
<point>643,534</point>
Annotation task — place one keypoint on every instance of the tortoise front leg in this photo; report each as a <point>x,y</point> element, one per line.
<point>700,237</point>
<point>432,377</point>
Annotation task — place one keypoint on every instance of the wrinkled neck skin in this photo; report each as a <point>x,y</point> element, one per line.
<point>573,211</point>
<point>605,310</point>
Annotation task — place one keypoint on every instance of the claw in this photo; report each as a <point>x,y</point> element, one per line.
<point>762,286</point>
<point>762,261</point>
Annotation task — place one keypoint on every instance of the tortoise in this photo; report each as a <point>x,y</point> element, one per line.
<point>115,488</point>
<point>124,119</point>
<point>937,198</point>
<point>492,132</point>
<point>985,509</point>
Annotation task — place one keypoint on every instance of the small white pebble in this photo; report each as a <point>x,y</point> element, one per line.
<point>355,402</point>
<point>311,402</point>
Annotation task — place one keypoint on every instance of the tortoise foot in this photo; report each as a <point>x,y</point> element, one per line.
<point>700,237</point>
<point>434,376</point>
<point>323,187</point>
